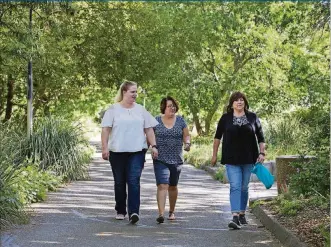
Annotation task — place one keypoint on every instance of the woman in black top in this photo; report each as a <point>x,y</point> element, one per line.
<point>242,146</point>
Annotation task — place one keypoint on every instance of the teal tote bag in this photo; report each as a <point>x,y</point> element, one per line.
<point>263,175</point>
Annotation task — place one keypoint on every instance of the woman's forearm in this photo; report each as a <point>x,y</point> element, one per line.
<point>105,132</point>
<point>216,146</point>
<point>186,136</point>
<point>150,136</point>
<point>262,147</point>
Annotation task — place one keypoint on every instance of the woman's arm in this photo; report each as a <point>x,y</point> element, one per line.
<point>105,132</point>
<point>262,154</point>
<point>151,140</point>
<point>260,138</point>
<point>217,140</point>
<point>186,139</point>
<point>216,145</point>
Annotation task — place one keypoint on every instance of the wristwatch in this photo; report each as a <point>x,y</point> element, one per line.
<point>155,146</point>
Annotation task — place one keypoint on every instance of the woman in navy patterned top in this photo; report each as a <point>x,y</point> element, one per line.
<point>171,133</point>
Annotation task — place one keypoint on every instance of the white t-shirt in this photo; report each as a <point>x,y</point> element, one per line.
<point>128,124</point>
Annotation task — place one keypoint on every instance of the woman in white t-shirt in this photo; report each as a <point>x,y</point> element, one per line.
<point>125,127</point>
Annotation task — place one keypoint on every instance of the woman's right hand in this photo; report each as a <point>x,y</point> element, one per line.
<point>105,154</point>
<point>155,153</point>
<point>213,160</point>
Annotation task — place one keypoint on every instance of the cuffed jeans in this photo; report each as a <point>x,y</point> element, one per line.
<point>239,176</point>
<point>127,169</point>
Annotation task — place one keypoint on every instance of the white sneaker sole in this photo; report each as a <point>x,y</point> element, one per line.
<point>120,217</point>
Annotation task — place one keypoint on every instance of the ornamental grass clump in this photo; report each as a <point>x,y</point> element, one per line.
<point>59,146</point>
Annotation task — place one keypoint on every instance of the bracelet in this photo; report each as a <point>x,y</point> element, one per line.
<point>262,153</point>
<point>155,146</point>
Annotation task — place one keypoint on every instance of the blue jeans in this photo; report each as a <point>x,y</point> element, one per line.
<point>239,176</point>
<point>127,169</point>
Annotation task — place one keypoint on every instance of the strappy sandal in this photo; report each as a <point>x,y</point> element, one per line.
<point>171,216</point>
<point>160,219</point>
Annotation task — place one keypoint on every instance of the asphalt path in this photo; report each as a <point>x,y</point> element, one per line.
<point>82,214</point>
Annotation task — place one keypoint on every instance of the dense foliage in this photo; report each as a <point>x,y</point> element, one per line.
<point>30,167</point>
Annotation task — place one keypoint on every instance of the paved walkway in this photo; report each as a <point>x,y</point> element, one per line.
<point>82,214</point>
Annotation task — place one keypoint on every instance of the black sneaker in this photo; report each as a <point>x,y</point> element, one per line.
<point>242,219</point>
<point>160,219</point>
<point>234,223</point>
<point>134,218</point>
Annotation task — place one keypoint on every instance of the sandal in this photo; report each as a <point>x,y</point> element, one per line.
<point>160,219</point>
<point>171,216</point>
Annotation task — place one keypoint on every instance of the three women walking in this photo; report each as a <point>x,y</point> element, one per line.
<point>126,125</point>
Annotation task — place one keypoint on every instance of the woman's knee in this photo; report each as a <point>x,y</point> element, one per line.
<point>244,188</point>
<point>172,188</point>
<point>235,187</point>
<point>163,187</point>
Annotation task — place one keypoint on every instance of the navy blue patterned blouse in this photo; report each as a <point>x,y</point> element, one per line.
<point>170,141</point>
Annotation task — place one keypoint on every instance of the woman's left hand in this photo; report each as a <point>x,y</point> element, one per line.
<point>187,147</point>
<point>155,153</point>
<point>260,159</point>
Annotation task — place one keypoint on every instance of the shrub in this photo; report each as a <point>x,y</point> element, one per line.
<point>32,184</point>
<point>11,209</point>
<point>58,145</point>
<point>317,121</point>
<point>290,207</point>
<point>30,167</point>
<point>220,174</point>
<point>201,151</point>
<point>312,178</point>
<point>285,135</point>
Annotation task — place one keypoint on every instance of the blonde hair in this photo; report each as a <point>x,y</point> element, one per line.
<point>124,87</point>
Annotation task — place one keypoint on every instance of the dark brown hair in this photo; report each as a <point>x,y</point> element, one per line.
<point>234,97</point>
<point>163,104</point>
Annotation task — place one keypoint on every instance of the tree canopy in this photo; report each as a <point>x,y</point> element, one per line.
<point>277,53</point>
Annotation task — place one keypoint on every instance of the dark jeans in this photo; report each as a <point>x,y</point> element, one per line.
<point>127,168</point>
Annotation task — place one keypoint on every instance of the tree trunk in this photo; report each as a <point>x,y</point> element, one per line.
<point>212,110</point>
<point>197,123</point>
<point>195,112</point>
<point>2,97</point>
<point>10,95</point>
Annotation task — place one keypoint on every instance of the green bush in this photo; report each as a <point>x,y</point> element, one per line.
<point>312,178</point>
<point>30,167</point>
<point>290,207</point>
<point>28,185</point>
<point>60,146</point>
<point>11,209</point>
<point>201,151</point>
<point>32,184</point>
<point>285,135</point>
<point>287,204</point>
<point>317,121</point>
<point>220,174</point>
